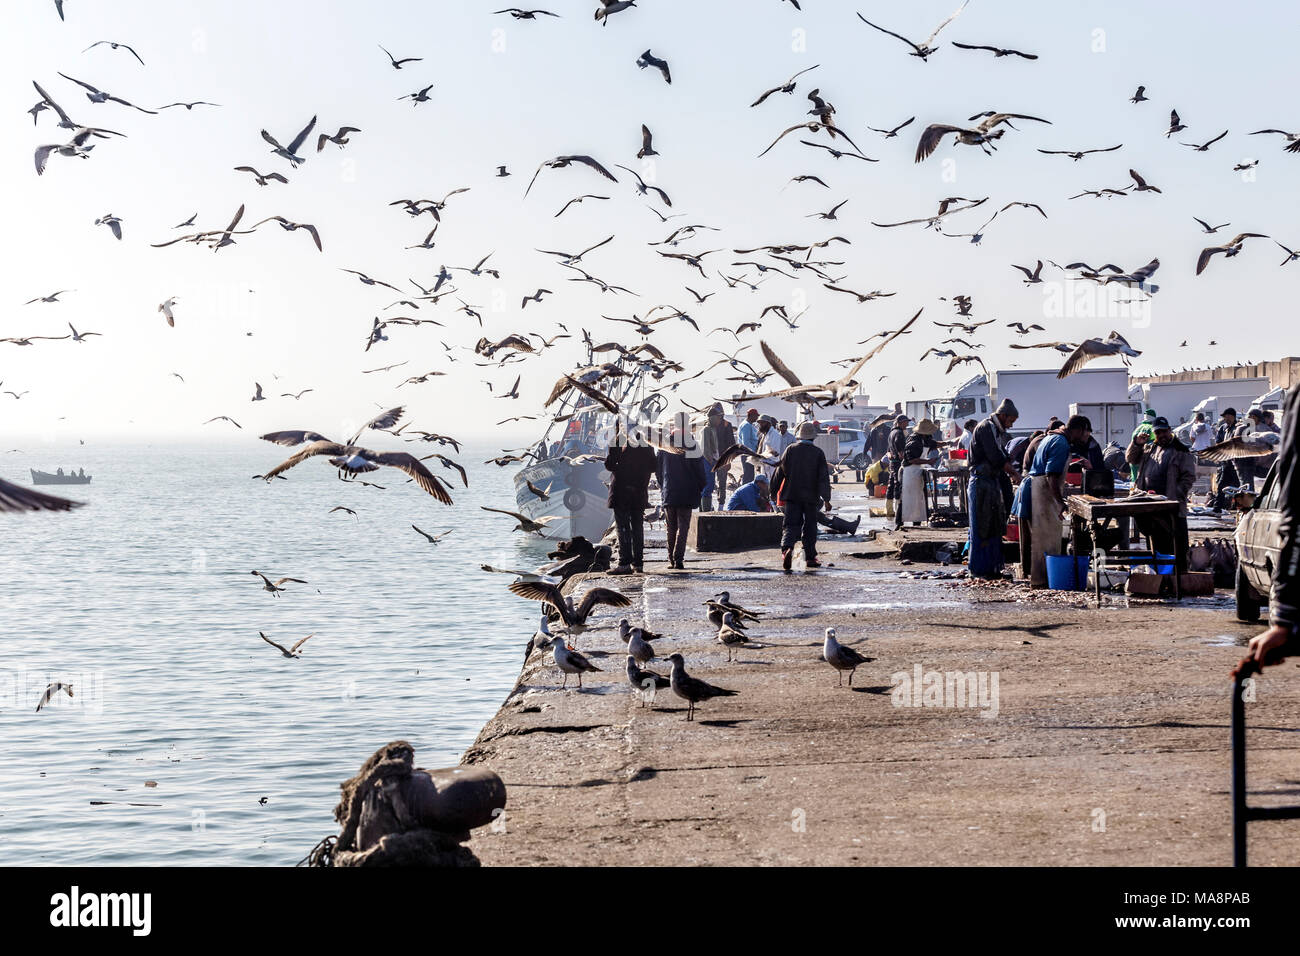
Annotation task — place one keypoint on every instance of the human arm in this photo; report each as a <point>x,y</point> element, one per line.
<point>823,478</point>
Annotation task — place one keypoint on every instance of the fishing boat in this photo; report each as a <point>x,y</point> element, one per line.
<point>59,478</point>
<point>569,469</point>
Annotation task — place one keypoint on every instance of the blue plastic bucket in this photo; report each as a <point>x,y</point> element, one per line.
<point>1162,567</point>
<point>1067,572</point>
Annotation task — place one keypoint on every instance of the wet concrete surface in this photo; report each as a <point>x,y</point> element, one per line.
<point>1109,745</point>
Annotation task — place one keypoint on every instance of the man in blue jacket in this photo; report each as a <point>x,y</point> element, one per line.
<point>751,496</point>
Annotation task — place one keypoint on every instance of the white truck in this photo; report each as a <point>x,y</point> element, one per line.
<point>1178,401</point>
<point>1038,394</point>
<point>971,400</point>
<point>1111,421</point>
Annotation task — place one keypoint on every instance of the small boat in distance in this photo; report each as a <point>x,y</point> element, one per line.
<point>59,478</point>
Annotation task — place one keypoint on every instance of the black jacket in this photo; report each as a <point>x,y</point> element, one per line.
<point>802,474</point>
<point>1286,575</point>
<point>631,467</point>
<point>897,439</point>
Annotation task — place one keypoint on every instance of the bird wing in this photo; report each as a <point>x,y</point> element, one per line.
<point>1081,356</point>
<point>876,351</point>
<point>930,138</point>
<point>17,498</point>
<point>302,135</point>
<point>594,394</point>
<point>1236,448</point>
<point>778,366</point>
<point>293,437</point>
<point>320,447</point>
<point>279,647</point>
<point>271,139</point>
<point>601,596</point>
<point>383,420</point>
<point>541,591</point>
<point>896,35</point>
<point>1204,258</point>
<point>946,22</point>
<point>412,466</point>
<point>301,642</point>
<point>294,580</point>
<point>731,454</point>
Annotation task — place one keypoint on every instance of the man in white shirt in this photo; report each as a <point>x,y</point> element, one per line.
<point>1200,433</point>
<point>777,441</point>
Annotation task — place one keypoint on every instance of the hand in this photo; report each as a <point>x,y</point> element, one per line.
<point>1142,438</point>
<point>1264,648</point>
<point>828,506</point>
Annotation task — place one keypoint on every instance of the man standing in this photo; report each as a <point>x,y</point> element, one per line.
<point>717,437</point>
<point>897,440</point>
<point>1046,491</point>
<point>1246,467</point>
<point>1200,433</point>
<point>630,464</point>
<point>682,479</point>
<point>803,482</point>
<point>967,431</point>
<point>1282,638</point>
<point>918,451</point>
<point>1165,466</point>
<point>777,441</point>
<point>989,464</point>
<point>749,437</point>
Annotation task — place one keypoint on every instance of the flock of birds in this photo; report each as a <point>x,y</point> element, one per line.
<point>728,617</point>
<point>818,132</point>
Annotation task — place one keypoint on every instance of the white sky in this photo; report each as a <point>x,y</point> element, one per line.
<point>570,85</point>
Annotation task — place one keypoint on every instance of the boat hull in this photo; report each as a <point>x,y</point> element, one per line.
<point>576,498</point>
<point>45,478</point>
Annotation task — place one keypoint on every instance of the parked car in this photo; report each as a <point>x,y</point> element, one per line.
<point>1258,546</point>
<point>853,447</point>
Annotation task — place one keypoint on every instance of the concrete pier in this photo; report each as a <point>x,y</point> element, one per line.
<point>995,726</point>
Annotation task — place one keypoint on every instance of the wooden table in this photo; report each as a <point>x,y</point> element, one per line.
<point>1090,515</point>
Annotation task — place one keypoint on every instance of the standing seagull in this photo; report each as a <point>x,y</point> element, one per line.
<point>692,689</point>
<point>841,658</point>
<point>645,683</point>
<point>649,59</point>
<point>570,661</point>
<point>290,152</point>
<point>922,50</point>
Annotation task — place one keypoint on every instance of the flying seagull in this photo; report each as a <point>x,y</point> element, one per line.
<point>1229,249</point>
<point>922,50</point>
<point>290,152</point>
<point>997,51</point>
<point>1113,344</point>
<point>560,162</point>
<point>982,135</point>
<point>290,651</point>
<point>649,59</point>
<point>114,46</point>
<point>397,64</point>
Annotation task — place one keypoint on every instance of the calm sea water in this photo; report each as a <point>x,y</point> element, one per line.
<point>143,600</point>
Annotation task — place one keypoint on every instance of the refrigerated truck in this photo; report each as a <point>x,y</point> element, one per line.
<point>1111,421</point>
<point>1038,394</point>
<point>1177,401</point>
